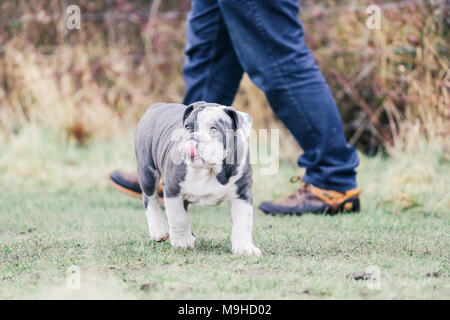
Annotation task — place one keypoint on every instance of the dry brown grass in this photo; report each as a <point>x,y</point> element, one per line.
<point>96,82</point>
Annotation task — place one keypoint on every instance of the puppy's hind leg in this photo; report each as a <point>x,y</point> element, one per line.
<point>157,224</point>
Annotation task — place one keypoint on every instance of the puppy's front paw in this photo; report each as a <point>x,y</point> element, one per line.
<point>248,249</point>
<point>160,237</point>
<point>183,242</point>
<point>159,233</point>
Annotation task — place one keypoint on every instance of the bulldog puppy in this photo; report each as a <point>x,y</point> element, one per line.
<point>201,153</point>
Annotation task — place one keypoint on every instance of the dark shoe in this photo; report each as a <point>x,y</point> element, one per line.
<point>314,200</point>
<point>126,182</point>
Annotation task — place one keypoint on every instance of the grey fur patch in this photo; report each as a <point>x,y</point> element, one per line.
<point>154,148</point>
<point>185,204</point>
<point>172,177</point>
<point>228,170</point>
<point>149,179</point>
<point>244,183</point>
<point>145,201</point>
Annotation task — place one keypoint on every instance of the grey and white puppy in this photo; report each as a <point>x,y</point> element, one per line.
<point>201,153</point>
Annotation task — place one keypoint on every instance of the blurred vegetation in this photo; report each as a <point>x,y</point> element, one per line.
<point>391,85</point>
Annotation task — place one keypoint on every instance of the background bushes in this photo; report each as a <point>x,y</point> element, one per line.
<point>391,85</point>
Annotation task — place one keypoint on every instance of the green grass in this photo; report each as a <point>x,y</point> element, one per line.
<point>56,210</point>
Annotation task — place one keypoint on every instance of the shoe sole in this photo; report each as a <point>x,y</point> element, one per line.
<point>351,205</point>
<point>123,189</point>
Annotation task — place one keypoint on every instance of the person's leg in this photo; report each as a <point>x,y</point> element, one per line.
<point>212,71</point>
<point>269,41</point>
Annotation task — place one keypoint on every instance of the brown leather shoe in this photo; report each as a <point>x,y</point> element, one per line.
<point>314,200</point>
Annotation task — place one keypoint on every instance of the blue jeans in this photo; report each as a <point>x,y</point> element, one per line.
<point>264,38</point>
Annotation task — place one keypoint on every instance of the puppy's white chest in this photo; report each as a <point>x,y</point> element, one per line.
<point>202,188</point>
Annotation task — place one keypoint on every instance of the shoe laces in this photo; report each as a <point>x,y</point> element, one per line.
<point>300,193</point>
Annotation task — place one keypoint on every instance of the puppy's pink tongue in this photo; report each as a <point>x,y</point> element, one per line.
<point>190,148</point>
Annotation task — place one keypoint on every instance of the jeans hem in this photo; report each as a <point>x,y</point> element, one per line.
<point>327,186</point>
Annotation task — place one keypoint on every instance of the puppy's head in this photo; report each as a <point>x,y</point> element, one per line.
<point>214,134</point>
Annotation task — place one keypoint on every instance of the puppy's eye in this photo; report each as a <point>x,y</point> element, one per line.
<point>187,127</point>
<point>213,131</point>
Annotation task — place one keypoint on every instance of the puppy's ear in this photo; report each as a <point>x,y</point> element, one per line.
<point>187,112</point>
<point>233,115</point>
<point>191,107</point>
<point>241,120</point>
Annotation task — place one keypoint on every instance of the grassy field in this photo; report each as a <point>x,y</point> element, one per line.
<point>56,210</point>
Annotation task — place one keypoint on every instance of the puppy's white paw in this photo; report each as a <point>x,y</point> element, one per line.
<point>160,237</point>
<point>183,242</point>
<point>247,249</point>
<point>158,228</point>
<point>159,233</point>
